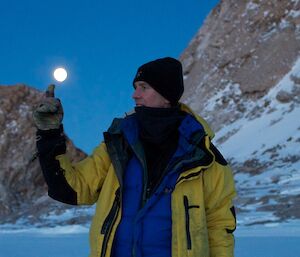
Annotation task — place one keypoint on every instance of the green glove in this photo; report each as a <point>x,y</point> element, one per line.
<point>49,113</point>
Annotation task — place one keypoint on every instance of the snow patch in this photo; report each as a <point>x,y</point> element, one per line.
<point>255,217</point>
<point>284,24</point>
<point>12,126</point>
<point>294,14</point>
<point>268,34</point>
<point>203,44</point>
<point>69,214</point>
<point>251,6</point>
<point>23,109</point>
<point>290,228</point>
<point>231,89</point>
<point>67,229</point>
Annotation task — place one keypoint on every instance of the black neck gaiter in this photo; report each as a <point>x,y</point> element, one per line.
<point>157,124</point>
<point>159,137</point>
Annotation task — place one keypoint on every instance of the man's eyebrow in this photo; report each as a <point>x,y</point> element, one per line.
<point>141,84</point>
<point>144,84</point>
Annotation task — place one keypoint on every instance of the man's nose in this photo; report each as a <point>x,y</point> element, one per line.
<point>135,94</point>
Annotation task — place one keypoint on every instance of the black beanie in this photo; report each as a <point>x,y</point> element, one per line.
<point>165,76</point>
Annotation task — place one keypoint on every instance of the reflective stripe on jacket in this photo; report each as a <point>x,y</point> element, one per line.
<point>201,202</point>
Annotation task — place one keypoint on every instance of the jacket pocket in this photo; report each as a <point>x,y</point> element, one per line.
<point>110,221</point>
<point>187,208</point>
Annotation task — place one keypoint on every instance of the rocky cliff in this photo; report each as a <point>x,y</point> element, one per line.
<point>249,45</point>
<point>242,73</point>
<point>22,188</point>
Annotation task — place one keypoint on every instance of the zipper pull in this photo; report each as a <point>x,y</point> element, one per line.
<point>148,191</point>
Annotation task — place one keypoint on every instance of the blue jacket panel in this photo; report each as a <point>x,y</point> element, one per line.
<point>131,199</point>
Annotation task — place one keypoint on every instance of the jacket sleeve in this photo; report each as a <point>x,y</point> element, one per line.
<point>77,183</point>
<point>220,214</point>
<point>49,144</point>
<point>87,176</point>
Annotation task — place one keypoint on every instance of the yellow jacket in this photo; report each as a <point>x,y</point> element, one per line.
<point>210,186</point>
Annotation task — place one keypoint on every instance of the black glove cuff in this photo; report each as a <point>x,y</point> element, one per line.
<point>50,132</point>
<point>51,142</point>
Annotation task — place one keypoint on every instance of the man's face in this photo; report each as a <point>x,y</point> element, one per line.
<point>145,95</point>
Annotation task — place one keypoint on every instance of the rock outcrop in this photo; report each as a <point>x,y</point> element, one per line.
<point>243,45</point>
<point>23,193</point>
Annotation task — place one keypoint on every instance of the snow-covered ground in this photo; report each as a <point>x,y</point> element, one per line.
<point>268,138</point>
<point>277,123</point>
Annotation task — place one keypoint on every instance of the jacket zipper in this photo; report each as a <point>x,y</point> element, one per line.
<point>169,167</point>
<point>110,221</point>
<point>187,222</point>
<point>145,179</point>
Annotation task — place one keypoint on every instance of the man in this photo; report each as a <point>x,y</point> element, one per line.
<point>161,187</point>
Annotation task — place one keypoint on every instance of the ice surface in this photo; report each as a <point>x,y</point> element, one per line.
<point>279,240</point>
<point>41,245</point>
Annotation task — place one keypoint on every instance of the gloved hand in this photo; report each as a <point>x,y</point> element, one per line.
<point>49,113</point>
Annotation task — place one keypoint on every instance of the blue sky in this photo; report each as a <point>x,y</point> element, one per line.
<point>100,43</point>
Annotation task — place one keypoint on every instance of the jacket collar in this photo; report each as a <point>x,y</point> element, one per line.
<point>190,131</point>
<point>208,131</point>
<point>191,150</point>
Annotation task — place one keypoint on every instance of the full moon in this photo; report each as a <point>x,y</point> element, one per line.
<point>60,74</point>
